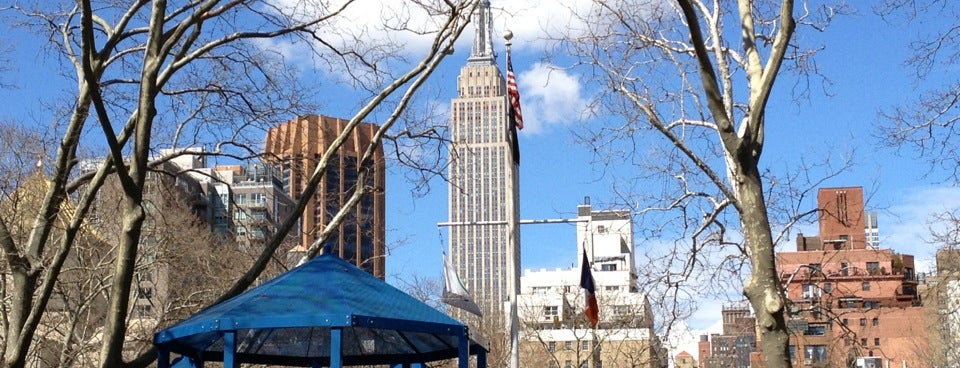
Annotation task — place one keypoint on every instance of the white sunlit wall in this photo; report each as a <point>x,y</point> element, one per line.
<point>551,302</point>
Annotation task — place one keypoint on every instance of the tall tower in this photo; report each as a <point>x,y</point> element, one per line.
<point>842,220</point>
<point>483,178</point>
<point>297,147</point>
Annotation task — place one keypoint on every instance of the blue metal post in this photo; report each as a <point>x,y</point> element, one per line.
<point>335,352</point>
<point>163,358</point>
<point>481,358</point>
<point>229,349</point>
<point>464,350</point>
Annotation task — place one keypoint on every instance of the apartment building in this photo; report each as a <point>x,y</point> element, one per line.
<point>556,333</point>
<point>851,303</point>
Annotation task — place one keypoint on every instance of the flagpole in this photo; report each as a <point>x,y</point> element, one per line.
<point>512,228</point>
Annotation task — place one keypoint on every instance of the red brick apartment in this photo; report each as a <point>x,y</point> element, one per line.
<point>852,304</point>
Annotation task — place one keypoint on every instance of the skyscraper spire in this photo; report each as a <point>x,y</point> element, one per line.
<point>482,42</point>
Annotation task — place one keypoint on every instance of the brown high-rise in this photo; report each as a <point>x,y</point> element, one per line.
<point>296,147</point>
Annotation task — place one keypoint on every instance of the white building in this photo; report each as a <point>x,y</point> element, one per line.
<point>556,333</point>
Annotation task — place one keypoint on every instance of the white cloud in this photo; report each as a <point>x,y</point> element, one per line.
<point>687,338</point>
<point>532,20</point>
<point>529,20</point>
<point>549,96</point>
<point>906,228</point>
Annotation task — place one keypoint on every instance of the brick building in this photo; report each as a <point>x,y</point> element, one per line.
<point>941,299</point>
<point>851,303</point>
<point>684,360</point>
<point>733,347</point>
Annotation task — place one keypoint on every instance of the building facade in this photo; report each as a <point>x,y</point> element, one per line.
<point>851,304</point>
<point>734,347</point>
<point>941,295</point>
<point>244,203</point>
<point>296,148</point>
<point>483,178</point>
<point>555,332</point>
<point>253,200</point>
<point>684,360</point>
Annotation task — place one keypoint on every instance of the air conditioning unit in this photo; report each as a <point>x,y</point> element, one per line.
<point>808,362</point>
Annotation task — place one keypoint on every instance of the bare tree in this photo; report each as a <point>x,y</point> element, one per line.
<point>179,74</point>
<point>694,110</point>
<point>927,123</point>
<point>563,336</point>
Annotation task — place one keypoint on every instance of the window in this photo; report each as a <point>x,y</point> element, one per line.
<point>258,215</point>
<point>815,330</point>
<point>552,346</point>
<point>145,292</point>
<point>844,269</point>
<point>827,287</point>
<point>142,310</point>
<point>585,345</point>
<point>863,341</point>
<point>866,286</point>
<point>871,304</point>
<point>873,268</point>
<point>876,321</point>
<point>815,353</point>
<point>863,321</point>
<point>550,311</point>
<point>876,341</point>
<point>553,363</point>
<point>845,322</point>
<point>608,267</point>
<point>810,291</point>
<point>568,364</point>
<point>568,345</point>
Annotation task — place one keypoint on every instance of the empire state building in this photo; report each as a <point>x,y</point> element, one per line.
<point>483,178</point>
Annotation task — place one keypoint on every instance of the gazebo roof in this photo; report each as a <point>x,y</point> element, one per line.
<point>288,321</point>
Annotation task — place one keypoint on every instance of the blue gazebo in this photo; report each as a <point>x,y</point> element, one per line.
<point>324,313</point>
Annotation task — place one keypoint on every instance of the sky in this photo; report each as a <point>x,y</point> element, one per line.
<point>863,57</point>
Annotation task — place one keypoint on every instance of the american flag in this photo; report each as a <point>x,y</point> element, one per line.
<point>514,94</point>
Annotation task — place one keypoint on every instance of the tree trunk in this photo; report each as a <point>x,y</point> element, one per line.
<point>763,286</point>
<point>132,182</point>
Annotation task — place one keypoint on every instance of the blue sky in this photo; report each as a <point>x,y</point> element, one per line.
<point>863,59</point>
<point>866,74</point>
